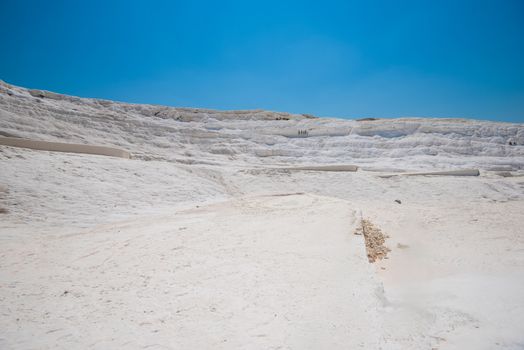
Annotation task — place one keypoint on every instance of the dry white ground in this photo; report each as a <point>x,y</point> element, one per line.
<point>203,241</point>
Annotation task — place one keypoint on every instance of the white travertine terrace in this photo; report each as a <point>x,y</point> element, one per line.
<point>236,229</point>
<point>204,136</point>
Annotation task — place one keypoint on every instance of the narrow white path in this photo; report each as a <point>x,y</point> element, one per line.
<point>63,147</point>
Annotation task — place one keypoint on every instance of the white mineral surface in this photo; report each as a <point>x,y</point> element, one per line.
<point>212,237</point>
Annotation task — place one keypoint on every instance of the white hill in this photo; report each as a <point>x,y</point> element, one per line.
<point>224,230</point>
<point>259,137</point>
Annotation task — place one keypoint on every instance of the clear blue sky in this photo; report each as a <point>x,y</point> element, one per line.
<point>445,58</point>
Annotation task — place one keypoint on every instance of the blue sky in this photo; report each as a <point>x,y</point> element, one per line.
<point>329,58</point>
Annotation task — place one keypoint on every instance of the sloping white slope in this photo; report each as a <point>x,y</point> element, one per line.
<point>255,273</point>
<point>215,137</point>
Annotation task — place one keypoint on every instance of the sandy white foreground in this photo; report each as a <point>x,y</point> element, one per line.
<point>255,272</point>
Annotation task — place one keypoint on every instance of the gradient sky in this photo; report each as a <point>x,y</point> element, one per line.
<point>446,58</point>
